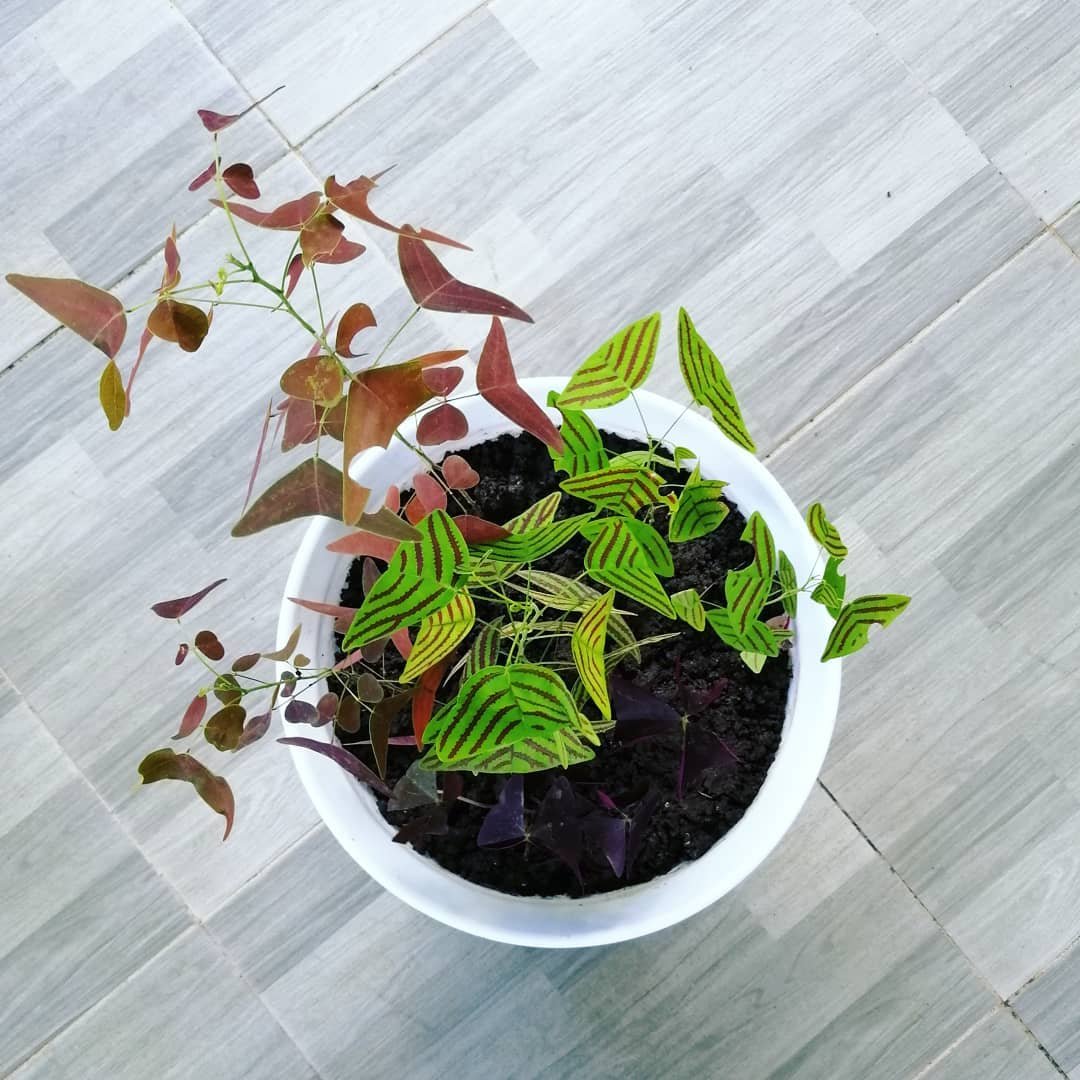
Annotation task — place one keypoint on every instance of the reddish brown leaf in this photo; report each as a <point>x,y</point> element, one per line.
<point>321,608</point>
<point>353,199</point>
<point>290,215</point>
<point>401,641</point>
<point>296,268</point>
<point>144,340</point>
<point>286,650</point>
<point>213,790</point>
<point>393,499</point>
<point>111,395</point>
<point>333,420</point>
<point>415,510</point>
<point>246,662</point>
<point>346,251</point>
<point>301,423</point>
<point>444,423</point>
<point>192,718</point>
<point>313,487</point>
<point>241,179</point>
<point>215,121</point>
<point>315,378</point>
<point>258,454</point>
<point>173,609</point>
<point>320,237</point>
<point>348,717</point>
<point>224,728</point>
<point>443,356</point>
<point>92,313</point>
<point>423,702</point>
<point>433,286</point>
<point>478,530</point>
<point>356,318</point>
<point>170,277</point>
<point>458,473</point>
<point>364,543</point>
<point>254,729</point>
<point>382,718</point>
<point>498,385</point>
<point>429,491</point>
<point>181,653</point>
<point>204,177</point>
<point>206,641</point>
<point>184,324</point>
<point>327,707</point>
<point>443,381</point>
<point>379,400</point>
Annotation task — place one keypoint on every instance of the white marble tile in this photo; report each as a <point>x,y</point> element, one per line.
<point>997,1048</point>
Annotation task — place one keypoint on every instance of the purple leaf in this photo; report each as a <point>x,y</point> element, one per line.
<point>213,790</point>
<point>346,760</point>
<point>296,268</point>
<point>433,823</point>
<point>206,641</point>
<point>93,314</point>
<point>639,713</point>
<point>444,423</point>
<point>504,823</point>
<point>557,825</point>
<point>695,701</point>
<point>608,836</point>
<point>416,788</point>
<point>173,609</point>
<point>303,712</point>
<point>702,750</point>
<point>215,121</point>
<point>639,822</point>
<point>327,707</point>
<point>453,787</point>
<point>606,800</point>
<point>204,177</point>
<point>181,653</point>
<point>241,179</point>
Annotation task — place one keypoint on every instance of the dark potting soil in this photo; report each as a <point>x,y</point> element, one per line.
<point>748,715</point>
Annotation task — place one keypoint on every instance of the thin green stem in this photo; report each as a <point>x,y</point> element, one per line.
<point>395,335</point>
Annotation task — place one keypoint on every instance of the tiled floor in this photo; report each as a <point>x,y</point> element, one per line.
<point>866,203</point>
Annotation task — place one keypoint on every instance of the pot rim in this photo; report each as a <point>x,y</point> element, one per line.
<point>350,811</point>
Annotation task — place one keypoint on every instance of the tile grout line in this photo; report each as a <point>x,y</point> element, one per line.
<point>197,923</point>
<point>887,363</point>
<point>291,148</point>
<point>1002,1002</point>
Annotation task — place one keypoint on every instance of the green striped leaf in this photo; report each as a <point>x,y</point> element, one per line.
<point>565,594</point>
<point>756,638</point>
<point>534,754</point>
<point>614,559</point>
<point>583,448</point>
<point>540,513</point>
<point>420,578</point>
<point>688,606</point>
<point>484,651</point>
<point>625,489</point>
<point>498,707</point>
<point>790,584</point>
<point>587,647</point>
<point>829,592</point>
<point>439,634</point>
<point>852,629</point>
<point>755,661</point>
<point>708,384</point>
<point>534,544</point>
<point>651,545</point>
<point>825,532</point>
<point>620,365</point>
<point>747,590</point>
<point>700,510</point>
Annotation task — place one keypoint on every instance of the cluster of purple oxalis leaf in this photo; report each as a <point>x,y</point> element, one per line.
<point>436,552</point>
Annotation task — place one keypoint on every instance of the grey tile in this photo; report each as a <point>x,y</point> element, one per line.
<point>1048,1005</point>
<point>1007,71</point>
<point>270,925</point>
<point>326,55</point>
<point>184,1014</point>
<point>997,1048</point>
<point>82,911</point>
<point>92,152</point>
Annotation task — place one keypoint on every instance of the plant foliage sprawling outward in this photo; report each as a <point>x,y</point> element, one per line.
<point>533,689</point>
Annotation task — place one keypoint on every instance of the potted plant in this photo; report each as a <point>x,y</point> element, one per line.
<point>559,659</point>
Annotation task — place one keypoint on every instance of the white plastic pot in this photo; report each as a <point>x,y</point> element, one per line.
<point>349,809</point>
